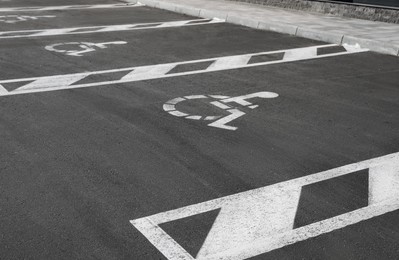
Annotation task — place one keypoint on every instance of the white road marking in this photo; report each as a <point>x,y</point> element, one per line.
<point>66,7</point>
<point>107,28</point>
<point>11,19</point>
<point>261,220</point>
<point>230,62</point>
<point>243,100</point>
<point>222,122</point>
<point>220,105</point>
<point>235,113</point>
<point>294,55</point>
<point>3,90</point>
<point>84,47</point>
<point>58,82</point>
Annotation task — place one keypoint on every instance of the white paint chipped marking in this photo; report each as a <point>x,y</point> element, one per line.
<point>352,48</point>
<point>168,107</point>
<point>305,52</point>
<point>243,100</point>
<point>261,220</point>
<point>218,96</point>
<point>144,72</point>
<point>178,113</point>
<point>175,100</point>
<point>66,7</point>
<point>51,82</point>
<point>100,29</point>
<point>195,97</point>
<point>220,105</point>
<point>58,82</point>
<point>12,19</point>
<point>3,91</point>
<point>194,117</point>
<point>384,182</point>
<point>230,62</point>
<point>210,118</point>
<point>224,120</point>
<point>36,33</point>
<point>170,24</point>
<point>82,47</point>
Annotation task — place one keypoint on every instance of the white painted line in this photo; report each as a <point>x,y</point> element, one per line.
<point>66,7</point>
<point>108,28</point>
<point>70,81</point>
<point>261,220</point>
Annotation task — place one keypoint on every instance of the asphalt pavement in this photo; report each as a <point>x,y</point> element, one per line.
<point>33,3</point>
<point>157,135</point>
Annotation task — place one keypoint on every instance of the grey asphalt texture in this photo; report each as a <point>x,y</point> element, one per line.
<point>30,3</point>
<point>91,17</point>
<point>77,165</point>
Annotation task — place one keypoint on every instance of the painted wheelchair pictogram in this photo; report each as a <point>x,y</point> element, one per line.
<point>11,19</point>
<point>81,47</point>
<point>221,102</point>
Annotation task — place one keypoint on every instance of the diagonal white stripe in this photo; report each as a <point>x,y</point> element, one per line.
<point>3,91</point>
<point>300,53</point>
<point>54,81</point>
<point>148,72</point>
<point>158,71</point>
<point>261,220</point>
<point>230,62</point>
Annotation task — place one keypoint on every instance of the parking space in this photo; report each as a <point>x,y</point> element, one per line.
<point>193,140</point>
<point>80,18</point>
<point>34,3</point>
<point>145,46</point>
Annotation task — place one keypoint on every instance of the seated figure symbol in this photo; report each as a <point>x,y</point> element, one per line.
<point>11,19</point>
<point>81,47</point>
<point>221,102</point>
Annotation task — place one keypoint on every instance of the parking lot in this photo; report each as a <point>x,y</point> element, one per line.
<point>129,132</point>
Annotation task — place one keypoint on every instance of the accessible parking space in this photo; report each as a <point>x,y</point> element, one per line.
<point>53,55</point>
<point>33,3</point>
<point>194,140</point>
<point>19,22</point>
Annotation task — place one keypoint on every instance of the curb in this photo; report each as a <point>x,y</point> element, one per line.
<point>337,38</point>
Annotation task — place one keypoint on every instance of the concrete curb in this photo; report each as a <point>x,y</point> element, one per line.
<point>383,47</point>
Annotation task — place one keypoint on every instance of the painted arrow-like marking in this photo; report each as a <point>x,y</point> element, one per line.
<point>261,220</point>
<point>109,28</point>
<point>82,80</point>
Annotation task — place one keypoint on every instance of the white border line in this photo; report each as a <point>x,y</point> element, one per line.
<point>67,7</point>
<point>258,221</point>
<point>67,81</point>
